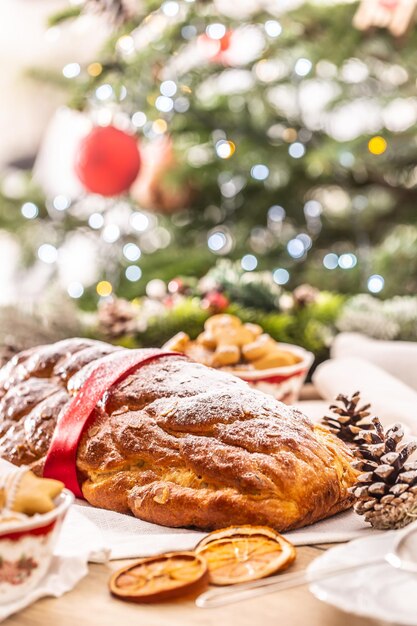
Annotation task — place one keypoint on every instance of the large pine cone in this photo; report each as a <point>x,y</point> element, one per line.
<point>386,491</point>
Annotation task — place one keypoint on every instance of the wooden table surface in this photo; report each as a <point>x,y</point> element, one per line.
<point>90,603</point>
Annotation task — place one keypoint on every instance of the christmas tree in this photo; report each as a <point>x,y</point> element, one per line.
<point>280,137</point>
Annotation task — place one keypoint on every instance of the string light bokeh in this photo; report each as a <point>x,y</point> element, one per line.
<point>310,114</point>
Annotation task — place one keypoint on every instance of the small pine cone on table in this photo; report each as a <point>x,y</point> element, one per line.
<point>117,317</point>
<point>305,294</point>
<point>386,490</point>
<point>348,419</point>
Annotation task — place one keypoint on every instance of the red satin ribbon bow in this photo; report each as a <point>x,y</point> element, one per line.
<point>62,454</point>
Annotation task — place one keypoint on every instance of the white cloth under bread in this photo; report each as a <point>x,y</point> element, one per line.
<point>110,535</point>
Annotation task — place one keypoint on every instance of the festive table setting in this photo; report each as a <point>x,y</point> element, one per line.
<point>93,542</point>
<point>208,319</point>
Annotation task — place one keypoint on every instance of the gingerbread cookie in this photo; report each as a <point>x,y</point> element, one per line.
<point>258,348</point>
<point>275,358</point>
<point>178,343</point>
<point>226,342</point>
<point>24,493</point>
<point>227,334</point>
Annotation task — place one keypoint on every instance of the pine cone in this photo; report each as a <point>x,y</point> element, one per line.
<point>348,420</point>
<point>117,317</point>
<point>305,294</point>
<point>386,491</point>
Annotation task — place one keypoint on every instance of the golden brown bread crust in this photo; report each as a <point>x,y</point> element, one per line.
<point>177,443</point>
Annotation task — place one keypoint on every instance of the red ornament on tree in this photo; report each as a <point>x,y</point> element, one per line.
<point>108,161</point>
<point>214,49</point>
<point>215,301</point>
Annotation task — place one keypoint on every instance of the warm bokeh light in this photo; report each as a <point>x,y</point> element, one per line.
<point>377,145</point>
<point>159,126</point>
<point>225,149</point>
<point>104,288</point>
<point>94,69</point>
<point>289,135</point>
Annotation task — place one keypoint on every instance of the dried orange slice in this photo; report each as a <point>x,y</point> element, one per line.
<point>243,553</point>
<point>161,577</point>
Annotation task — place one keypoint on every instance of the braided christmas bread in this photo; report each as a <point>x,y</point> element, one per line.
<point>176,443</point>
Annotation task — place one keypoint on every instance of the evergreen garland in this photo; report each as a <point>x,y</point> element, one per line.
<point>250,289</point>
<point>381,319</point>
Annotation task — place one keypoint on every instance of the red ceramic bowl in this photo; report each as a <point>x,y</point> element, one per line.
<point>284,383</point>
<point>26,549</point>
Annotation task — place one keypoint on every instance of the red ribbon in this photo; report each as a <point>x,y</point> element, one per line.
<point>62,454</point>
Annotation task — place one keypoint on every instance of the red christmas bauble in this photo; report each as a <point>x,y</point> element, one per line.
<point>215,301</point>
<point>214,49</point>
<point>225,41</point>
<point>108,161</point>
<point>391,5</point>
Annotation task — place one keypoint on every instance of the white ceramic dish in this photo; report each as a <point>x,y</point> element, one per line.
<point>284,383</point>
<point>379,592</point>
<point>26,549</point>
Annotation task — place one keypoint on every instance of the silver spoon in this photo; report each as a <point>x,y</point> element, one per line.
<point>403,555</point>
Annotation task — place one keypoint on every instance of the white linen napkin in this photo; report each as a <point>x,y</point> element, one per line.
<point>314,409</point>
<point>391,399</point>
<point>398,358</point>
<point>106,535</point>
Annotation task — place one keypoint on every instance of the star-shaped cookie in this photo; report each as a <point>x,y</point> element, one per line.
<point>34,495</point>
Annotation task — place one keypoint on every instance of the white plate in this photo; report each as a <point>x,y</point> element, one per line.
<point>378,592</point>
